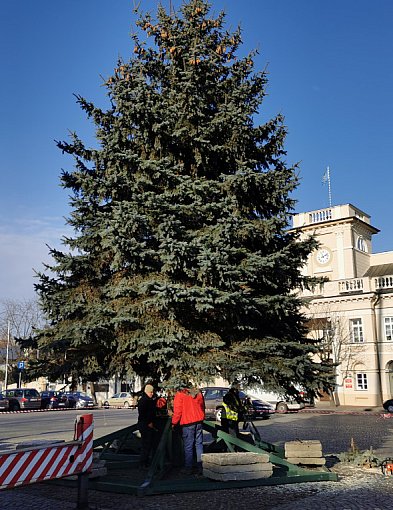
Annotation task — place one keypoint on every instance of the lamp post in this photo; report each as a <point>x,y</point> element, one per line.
<point>6,356</point>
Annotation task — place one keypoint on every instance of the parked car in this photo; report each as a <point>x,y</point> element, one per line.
<point>214,396</point>
<point>122,399</point>
<point>307,400</point>
<point>51,399</point>
<point>4,403</point>
<point>388,405</point>
<point>23,398</point>
<point>282,403</point>
<point>79,399</point>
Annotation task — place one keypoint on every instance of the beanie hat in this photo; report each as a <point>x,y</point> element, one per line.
<point>149,388</point>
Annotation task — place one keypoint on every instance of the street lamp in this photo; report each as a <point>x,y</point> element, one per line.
<point>7,355</point>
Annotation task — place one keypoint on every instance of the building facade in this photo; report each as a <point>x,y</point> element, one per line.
<point>352,311</point>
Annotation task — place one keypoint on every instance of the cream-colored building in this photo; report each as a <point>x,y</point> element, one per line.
<point>353,310</point>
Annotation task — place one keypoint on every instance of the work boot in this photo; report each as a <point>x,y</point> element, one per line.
<point>199,469</point>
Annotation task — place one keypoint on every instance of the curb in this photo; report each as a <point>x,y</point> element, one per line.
<point>43,410</point>
<point>337,411</point>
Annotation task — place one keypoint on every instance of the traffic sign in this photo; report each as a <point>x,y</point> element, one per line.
<point>21,365</point>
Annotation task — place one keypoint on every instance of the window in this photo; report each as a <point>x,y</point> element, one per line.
<point>212,394</point>
<point>361,244</point>
<point>361,381</point>
<point>356,331</point>
<point>388,329</point>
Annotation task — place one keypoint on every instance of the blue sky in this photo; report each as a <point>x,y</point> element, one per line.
<point>330,74</point>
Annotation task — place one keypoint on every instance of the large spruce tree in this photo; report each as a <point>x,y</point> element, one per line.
<point>182,264</point>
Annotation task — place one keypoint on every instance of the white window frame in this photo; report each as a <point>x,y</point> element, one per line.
<point>361,244</point>
<point>356,327</point>
<point>361,381</point>
<point>388,323</point>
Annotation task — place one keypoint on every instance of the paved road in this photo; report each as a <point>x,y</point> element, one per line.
<point>335,431</point>
<point>26,426</point>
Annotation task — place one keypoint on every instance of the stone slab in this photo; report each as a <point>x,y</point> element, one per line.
<point>301,452</point>
<point>304,446</point>
<point>238,468</point>
<point>235,458</point>
<point>226,477</point>
<point>307,461</point>
<point>311,443</point>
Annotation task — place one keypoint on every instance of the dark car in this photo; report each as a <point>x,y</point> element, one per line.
<point>51,399</point>
<point>388,405</point>
<point>80,400</point>
<point>256,408</point>
<point>4,403</point>
<point>23,398</point>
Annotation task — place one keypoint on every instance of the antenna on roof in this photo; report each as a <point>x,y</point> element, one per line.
<point>326,179</point>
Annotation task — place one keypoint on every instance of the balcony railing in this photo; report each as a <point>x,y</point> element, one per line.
<point>322,215</point>
<point>383,282</point>
<point>351,285</point>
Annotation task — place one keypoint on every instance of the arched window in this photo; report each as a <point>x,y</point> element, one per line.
<point>361,244</point>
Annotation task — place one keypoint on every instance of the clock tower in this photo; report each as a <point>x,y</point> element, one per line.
<point>344,233</point>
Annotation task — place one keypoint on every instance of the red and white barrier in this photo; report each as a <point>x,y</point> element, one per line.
<point>48,462</point>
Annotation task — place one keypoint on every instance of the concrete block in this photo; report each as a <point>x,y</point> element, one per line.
<point>238,468</point>
<point>306,448</point>
<point>226,477</point>
<point>302,452</point>
<point>235,458</point>
<point>307,461</point>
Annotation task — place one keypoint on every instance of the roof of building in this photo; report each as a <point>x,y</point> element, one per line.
<point>380,270</point>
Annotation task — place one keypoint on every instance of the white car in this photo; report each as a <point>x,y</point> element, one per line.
<point>281,404</point>
<point>122,399</point>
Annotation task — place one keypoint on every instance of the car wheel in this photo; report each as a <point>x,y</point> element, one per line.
<point>218,414</point>
<point>282,407</point>
<point>106,404</point>
<point>126,405</point>
<point>390,408</point>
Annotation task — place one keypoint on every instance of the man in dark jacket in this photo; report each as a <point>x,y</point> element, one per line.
<point>189,412</point>
<point>233,411</point>
<point>146,423</point>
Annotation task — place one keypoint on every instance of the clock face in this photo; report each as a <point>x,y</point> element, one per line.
<point>323,256</point>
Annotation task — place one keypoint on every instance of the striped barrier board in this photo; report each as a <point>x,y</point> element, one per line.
<point>49,462</point>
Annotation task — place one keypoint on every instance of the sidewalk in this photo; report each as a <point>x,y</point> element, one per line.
<point>329,407</point>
